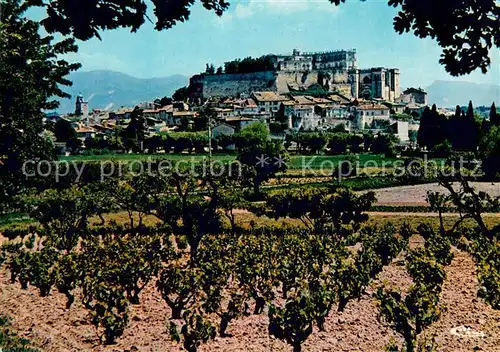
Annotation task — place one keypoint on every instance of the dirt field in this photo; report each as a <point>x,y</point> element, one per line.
<point>53,328</point>
<point>416,195</point>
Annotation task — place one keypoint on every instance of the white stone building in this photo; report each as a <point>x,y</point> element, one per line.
<point>366,115</point>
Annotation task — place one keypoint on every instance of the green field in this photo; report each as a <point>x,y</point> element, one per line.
<point>143,157</point>
<point>317,162</point>
<point>297,162</point>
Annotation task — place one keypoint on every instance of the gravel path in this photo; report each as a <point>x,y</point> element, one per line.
<point>417,195</point>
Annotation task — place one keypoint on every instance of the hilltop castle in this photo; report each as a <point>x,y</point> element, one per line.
<point>333,71</point>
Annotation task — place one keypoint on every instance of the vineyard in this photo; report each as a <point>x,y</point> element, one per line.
<point>207,273</point>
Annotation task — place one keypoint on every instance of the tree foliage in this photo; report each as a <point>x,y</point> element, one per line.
<point>249,65</point>
<point>31,76</point>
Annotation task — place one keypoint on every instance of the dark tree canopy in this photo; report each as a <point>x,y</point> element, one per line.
<point>249,64</point>
<point>64,131</point>
<point>494,115</point>
<point>32,75</point>
<point>84,19</point>
<point>433,128</point>
<point>181,94</point>
<point>466,30</point>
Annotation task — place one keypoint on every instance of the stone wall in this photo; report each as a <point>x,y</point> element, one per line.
<point>202,86</point>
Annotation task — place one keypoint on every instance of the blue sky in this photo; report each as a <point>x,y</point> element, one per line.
<point>254,28</point>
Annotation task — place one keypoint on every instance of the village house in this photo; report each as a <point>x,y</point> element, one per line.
<point>83,132</point>
<point>400,129</point>
<point>268,101</point>
<point>300,116</point>
<point>245,106</point>
<point>179,116</point>
<point>223,129</point>
<point>102,129</point>
<point>368,114</point>
<point>224,112</point>
<point>397,108</point>
<point>413,96</point>
<point>339,99</point>
<point>121,114</point>
<point>239,122</point>
<point>331,111</point>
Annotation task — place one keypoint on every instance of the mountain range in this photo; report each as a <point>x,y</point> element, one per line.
<point>453,93</point>
<point>110,90</point>
<point>106,89</point>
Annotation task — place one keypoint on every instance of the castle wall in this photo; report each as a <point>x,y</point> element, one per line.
<point>202,86</point>
<point>337,73</point>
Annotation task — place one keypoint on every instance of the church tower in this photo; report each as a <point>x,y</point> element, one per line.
<point>78,105</point>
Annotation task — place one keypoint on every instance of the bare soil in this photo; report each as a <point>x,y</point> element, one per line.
<point>53,328</point>
<point>416,195</point>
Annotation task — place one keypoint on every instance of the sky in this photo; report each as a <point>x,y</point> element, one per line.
<point>258,27</point>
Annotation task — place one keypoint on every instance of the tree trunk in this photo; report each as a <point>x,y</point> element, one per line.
<point>342,303</point>
<point>321,323</point>
<point>70,300</point>
<point>297,346</point>
<point>224,322</point>
<point>259,305</point>
<point>133,296</point>
<point>176,311</point>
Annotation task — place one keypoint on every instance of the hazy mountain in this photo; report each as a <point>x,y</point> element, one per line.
<point>109,89</point>
<point>451,94</point>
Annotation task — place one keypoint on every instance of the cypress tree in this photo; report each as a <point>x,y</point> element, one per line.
<point>494,116</point>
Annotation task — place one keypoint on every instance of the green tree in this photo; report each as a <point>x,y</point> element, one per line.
<point>135,132</point>
<point>494,115</point>
<point>384,144</point>
<point>181,94</point>
<point>490,152</point>
<point>433,128</point>
<point>64,131</point>
<point>165,101</point>
<point>262,156</point>
<point>206,114</point>
<point>464,130</point>
<point>210,69</point>
<point>31,75</point>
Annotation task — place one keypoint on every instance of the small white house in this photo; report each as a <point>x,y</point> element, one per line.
<point>400,129</point>
<point>366,114</point>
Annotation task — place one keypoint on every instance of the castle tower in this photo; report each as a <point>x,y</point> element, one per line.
<point>354,81</point>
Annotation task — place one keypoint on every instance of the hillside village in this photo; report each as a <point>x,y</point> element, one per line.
<point>341,97</point>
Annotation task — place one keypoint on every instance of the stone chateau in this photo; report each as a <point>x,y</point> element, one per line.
<point>335,71</point>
